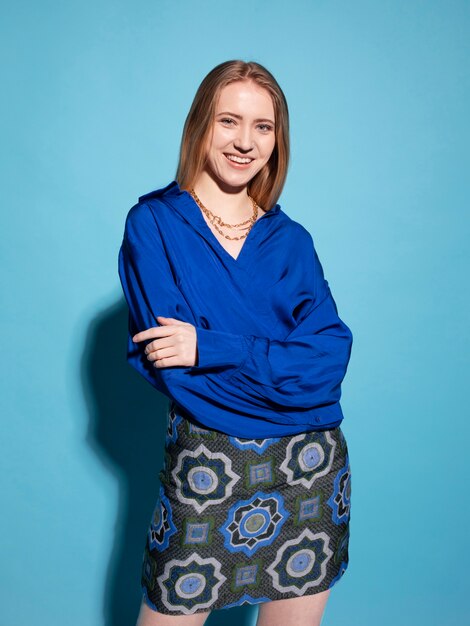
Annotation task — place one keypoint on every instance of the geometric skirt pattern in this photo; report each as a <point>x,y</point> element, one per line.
<point>245,521</point>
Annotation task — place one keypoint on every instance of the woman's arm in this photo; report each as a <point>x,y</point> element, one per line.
<point>303,371</point>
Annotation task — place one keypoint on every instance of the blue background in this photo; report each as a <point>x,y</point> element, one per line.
<point>94,97</point>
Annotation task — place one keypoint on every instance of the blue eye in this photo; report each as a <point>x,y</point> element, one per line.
<point>266,127</point>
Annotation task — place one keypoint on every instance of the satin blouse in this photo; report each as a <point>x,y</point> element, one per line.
<point>272,349</point>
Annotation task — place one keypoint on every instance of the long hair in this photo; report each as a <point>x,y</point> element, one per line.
<point>266,186</point>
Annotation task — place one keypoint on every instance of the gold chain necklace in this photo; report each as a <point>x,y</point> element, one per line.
<point>216,220</point>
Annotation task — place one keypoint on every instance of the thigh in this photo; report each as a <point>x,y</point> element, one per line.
<point>302,611</point>
<point>149,617</point>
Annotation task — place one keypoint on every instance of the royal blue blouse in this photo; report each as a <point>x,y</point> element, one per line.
<point>272,350</point>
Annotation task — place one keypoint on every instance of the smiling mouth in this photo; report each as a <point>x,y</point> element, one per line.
<point>236,159</point>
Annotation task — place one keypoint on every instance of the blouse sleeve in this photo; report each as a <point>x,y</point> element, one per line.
<point>302,372</point>
<point>306,369</point>
<point>150,290</point>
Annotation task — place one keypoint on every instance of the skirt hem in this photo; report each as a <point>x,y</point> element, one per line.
<point>247,601</point>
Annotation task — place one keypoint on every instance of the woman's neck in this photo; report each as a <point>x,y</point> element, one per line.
<point>228,203</point>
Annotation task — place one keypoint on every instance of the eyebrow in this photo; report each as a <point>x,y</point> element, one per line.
<point>260,119</point>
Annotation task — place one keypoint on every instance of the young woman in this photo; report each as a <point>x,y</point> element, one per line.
<point>231,317</point>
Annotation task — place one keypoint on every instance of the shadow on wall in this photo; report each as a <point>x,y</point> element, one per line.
<point>127,427</point>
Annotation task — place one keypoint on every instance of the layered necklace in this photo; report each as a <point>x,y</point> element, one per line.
<point>217,220</point>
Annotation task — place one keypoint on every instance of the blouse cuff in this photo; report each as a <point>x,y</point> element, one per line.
<point>217,348</point>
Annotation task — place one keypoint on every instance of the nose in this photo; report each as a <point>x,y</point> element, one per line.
<point>244,141</point>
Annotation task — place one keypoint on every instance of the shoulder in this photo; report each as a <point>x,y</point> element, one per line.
<point>159,193</point>
<point>296,233</point>
<point>139,219</point>
<point>299,243</point>
<point>143,214</point>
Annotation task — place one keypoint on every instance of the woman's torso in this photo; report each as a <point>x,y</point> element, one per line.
<point>259,285</point>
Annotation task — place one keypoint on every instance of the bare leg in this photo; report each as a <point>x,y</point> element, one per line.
<point>149,617</point>
<point>302,611</point>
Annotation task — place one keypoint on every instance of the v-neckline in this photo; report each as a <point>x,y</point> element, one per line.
<point>205,226</point>
<point>183,202</point>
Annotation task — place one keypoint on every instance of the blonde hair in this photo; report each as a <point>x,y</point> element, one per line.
<point>267,184</point>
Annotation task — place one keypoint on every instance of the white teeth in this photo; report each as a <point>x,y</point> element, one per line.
<point>238,159</point>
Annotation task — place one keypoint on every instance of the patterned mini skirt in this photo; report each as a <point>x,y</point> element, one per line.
<point>245,521</point>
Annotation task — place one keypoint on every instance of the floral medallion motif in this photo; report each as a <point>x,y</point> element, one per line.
<point>254,523</point>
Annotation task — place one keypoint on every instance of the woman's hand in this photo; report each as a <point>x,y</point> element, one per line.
<point>175,343</point>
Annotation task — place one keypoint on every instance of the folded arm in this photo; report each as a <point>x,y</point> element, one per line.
<point>254,374</point>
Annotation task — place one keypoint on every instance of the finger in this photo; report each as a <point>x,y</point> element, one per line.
<point>171,361</point>
<point>170,320</point>
<point>162,353</point>
<point>158,345</point>
<point>150,333</point>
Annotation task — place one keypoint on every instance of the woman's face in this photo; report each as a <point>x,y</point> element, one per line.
<point>243,136</point>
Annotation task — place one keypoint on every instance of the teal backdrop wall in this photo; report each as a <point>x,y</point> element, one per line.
<point>94,97</point>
